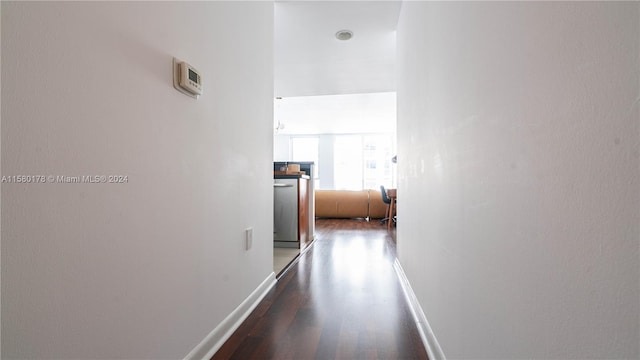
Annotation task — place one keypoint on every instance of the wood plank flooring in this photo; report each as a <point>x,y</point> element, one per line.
<point>340,300</point>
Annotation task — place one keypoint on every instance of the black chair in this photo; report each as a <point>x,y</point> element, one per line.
<point>387,201</point>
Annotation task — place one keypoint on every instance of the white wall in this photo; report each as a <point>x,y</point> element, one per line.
<point>326,158</point>
<point>519,160</point>
<point>281,148</point>
<point>148,268</point>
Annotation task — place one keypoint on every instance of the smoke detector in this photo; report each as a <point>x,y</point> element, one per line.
<point>344,35</point>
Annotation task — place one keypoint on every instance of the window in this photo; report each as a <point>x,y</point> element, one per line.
<point>363,162</point>
<point>347,162</point>
<point>377,154</point>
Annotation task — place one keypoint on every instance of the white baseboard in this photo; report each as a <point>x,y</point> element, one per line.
<point>426,334</point>
<point>217,337</point>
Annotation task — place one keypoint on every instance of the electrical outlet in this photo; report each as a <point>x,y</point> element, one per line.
<point>248,238</point>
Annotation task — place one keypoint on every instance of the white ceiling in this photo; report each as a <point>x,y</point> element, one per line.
<point>309,60</point>
<point>332,86</point>
<point>336,114</point>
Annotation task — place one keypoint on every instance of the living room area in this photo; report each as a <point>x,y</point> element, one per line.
<point>351,140</point>
<point>346,209</point>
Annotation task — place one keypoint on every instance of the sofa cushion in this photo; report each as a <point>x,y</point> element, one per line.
<point>377,207</point>
<point>342,203</point>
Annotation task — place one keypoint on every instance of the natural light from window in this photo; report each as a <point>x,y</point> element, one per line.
<point>347,162</point>
<point>306,149</point>
<point>350,138</point>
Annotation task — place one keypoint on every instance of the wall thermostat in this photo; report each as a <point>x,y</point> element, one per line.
<point>186,78</point>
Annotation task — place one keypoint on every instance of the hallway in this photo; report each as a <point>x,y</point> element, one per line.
<point>340,300</point>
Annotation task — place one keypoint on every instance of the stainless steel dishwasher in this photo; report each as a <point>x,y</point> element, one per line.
<point>285,213</point>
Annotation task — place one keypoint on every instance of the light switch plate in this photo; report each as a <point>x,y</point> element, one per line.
<point>249,238</point>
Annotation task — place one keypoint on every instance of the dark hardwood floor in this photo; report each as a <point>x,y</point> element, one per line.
<point>340,300</point>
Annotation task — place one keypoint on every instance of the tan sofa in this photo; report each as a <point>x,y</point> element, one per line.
<point>377,207</point>
<point>341,204</point>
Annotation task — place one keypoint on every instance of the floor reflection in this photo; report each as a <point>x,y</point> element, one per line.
<point>354,288</point>
<point>340,299</point>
